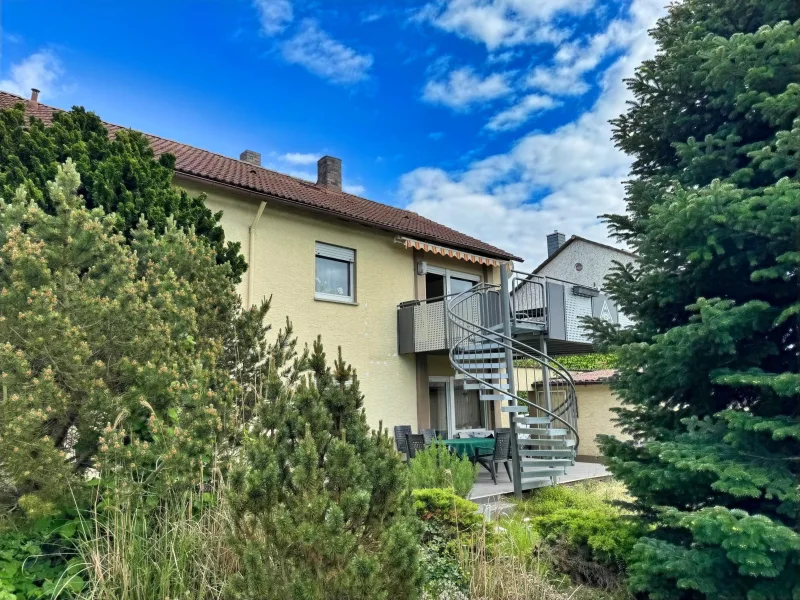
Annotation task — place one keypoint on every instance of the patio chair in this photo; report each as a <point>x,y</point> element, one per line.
<point>400,433</point>
<point>501,430</point>
<point>416,443</point>
<point>502,444</point>
<point>429,435</point>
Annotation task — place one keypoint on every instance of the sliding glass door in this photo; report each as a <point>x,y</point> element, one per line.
<point>454,409</point>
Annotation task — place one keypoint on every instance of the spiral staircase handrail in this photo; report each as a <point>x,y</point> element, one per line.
<point>508,343</point>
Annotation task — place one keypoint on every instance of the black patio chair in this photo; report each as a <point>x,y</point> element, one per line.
<point>502,444</point>
<point>501,430</point>
<point>400,433</point>
<point>429,435</point>
<point>416,443</point>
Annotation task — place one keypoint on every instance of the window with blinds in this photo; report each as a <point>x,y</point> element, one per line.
<point>334,277</point>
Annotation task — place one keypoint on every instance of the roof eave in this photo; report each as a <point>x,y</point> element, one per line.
<point>289,202</point>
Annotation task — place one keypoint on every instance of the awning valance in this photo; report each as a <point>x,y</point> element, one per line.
<point>452,253</point>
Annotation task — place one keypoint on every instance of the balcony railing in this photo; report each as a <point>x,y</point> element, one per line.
<point>539,304</point>
<point>422,324</point>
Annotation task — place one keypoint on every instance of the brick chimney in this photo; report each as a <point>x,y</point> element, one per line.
<point>329,173</point>
<point>251,156</point>
<point>554,241</point>
<point>34,96</point>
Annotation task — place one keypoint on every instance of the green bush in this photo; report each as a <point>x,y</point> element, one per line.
<point>448,520</point>
<point>445,508</point>
<point>37,560</point>
<point>583,518</point>
<point>438,467</point>
<point>578,362</point>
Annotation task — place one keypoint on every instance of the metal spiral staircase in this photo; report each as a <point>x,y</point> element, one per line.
<point>536,391</point>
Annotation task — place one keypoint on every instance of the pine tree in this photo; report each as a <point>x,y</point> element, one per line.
<point>111,352</point>
<point>709,376</point>
<point>321,504</point>
<point>119,174</point>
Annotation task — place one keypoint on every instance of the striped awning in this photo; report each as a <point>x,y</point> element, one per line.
<point>444,251</point>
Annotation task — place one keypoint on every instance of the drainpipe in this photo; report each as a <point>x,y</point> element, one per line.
<point>252,250</point>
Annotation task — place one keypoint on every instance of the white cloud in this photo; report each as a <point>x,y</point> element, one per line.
<point>516,115</point>
<point>463,88</point>
<point>436,135</point>
<point>301,158</point>
<point>315,50</point>
<point>355,189</point>
<point>565,75</point>
<point>273,15</point>
<point>497,23</point>
<point>561,179</point>
<point>40,70</point>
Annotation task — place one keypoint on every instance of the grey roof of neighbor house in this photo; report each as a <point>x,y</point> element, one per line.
<point>212,167</point>
<point>572,240</point>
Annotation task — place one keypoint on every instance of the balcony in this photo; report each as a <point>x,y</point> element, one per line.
<point>422,324</point>
<point>538,305</point>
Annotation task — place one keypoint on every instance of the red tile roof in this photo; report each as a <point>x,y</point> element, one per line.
<point>600,376</point>
<point>213,167</point>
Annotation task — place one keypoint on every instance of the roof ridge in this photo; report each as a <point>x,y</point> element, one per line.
<point>271,181</point>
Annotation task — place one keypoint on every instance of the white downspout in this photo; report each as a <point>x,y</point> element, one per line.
<point>252,251</point>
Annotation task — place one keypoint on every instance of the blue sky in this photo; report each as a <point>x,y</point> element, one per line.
<point>487,115</point>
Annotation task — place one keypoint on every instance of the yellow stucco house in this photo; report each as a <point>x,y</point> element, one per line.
<point>431,318</point>
<point>340,266</point>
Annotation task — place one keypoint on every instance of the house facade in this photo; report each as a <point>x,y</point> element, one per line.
<point>584,262</point>
<point>340,266</point>
<point>344,280</point>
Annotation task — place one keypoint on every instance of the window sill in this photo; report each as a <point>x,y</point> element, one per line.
<point>334,300</point>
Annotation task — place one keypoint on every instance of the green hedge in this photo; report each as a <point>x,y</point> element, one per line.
<point>578,362</point>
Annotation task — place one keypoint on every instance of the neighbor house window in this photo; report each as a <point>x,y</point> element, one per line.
<point>335,273</point>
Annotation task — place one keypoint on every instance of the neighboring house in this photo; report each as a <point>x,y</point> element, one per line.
<point>567,287</point>
<point>339,266</point>
<point>595,417</point>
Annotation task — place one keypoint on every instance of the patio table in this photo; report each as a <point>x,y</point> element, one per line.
<point>471,447</point>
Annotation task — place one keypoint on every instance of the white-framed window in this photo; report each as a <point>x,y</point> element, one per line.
<point>334,273</point>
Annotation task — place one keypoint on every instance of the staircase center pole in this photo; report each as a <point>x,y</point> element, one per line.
<point>505,308</point>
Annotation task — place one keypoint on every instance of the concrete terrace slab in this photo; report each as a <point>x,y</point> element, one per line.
<point>485,491</point>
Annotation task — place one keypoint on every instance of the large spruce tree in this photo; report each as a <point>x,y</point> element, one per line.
<point>119,174</point>
<point>710,376</point>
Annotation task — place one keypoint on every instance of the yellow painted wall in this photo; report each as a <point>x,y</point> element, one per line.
<point>595,417</point>
<point>367,332</point>
<point>594,410</point>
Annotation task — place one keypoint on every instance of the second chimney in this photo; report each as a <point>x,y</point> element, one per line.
<point>554,241</point>
<point>251,156</point>
<point>329,173</point>
<point>34,96</point>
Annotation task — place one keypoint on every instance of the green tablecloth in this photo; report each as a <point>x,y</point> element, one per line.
<point>471,446</point>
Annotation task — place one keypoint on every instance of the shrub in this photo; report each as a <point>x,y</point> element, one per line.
<point>320,503</point>
<point>445,508</point>
<point>37,560</point>
<point>110,354</point>
<point>588,537</point>
<point>445,517</point>
<point>438,467</point>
